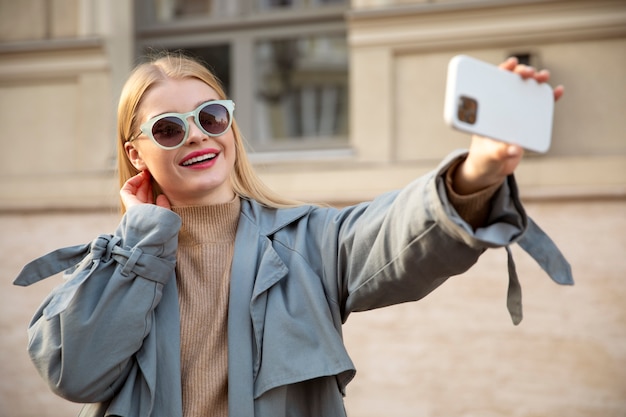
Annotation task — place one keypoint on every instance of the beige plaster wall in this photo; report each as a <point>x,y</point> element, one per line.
<point>57,128</point>
<point>58,93</point>
<point>62,129</point>
<point>38,19</point>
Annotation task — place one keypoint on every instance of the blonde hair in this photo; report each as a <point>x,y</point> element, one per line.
<point>245,181</point>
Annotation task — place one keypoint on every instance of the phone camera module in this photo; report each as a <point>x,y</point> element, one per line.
<point>467,110</point>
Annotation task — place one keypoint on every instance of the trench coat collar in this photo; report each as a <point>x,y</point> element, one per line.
<point>268,220</point>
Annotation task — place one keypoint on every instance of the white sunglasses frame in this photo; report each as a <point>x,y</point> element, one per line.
<point>146,128</point>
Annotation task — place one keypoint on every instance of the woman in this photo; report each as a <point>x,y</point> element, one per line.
<point>217,297</point>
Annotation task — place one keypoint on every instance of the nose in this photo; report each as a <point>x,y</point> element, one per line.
<point>195,134</point>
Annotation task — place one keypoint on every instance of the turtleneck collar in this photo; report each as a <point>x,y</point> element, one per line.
<point>211,223</point>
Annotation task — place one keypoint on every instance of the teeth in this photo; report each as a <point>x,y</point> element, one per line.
<point>199,159</point>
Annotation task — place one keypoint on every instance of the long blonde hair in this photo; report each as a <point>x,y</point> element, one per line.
<point>246,182</point>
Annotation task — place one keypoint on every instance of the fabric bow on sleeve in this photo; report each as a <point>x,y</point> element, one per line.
<point>79,263</point>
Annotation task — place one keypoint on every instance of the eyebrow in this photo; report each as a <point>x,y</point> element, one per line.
<point>198,104</point>
<point>205,101</point>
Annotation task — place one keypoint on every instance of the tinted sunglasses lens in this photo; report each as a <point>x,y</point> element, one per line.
<point>169,131</point>
<point>214,119</point>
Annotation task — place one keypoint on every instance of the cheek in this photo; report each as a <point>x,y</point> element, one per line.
<point>231,149</point>
<point>158,163</point>
<point>163,176</point>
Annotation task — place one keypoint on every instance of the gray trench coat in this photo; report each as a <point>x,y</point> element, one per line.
<point>109,335</point>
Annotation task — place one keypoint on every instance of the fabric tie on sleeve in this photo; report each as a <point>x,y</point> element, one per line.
<point>544,251</point>
<point>81,261</point>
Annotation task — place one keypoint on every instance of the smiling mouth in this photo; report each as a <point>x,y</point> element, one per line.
<point>199,159</point>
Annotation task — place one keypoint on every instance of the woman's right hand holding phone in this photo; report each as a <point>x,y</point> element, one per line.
<point>489,162</point>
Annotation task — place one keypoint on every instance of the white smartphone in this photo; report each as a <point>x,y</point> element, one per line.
<point>485,100</point>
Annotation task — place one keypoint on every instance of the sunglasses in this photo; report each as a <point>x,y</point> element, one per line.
<point>170,130</point>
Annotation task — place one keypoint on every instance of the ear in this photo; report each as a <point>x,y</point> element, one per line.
<point>134,156</point>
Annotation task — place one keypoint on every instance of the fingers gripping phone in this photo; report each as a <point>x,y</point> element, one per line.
<point>488,101</point>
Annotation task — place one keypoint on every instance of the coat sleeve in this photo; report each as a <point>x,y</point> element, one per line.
<point>404,244</point>
<point>83,338</point>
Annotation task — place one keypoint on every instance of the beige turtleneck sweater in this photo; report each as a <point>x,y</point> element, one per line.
<point>205,250</point>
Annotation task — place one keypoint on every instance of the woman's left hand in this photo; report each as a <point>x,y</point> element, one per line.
<point>138,190</point>
<point>489,161</point>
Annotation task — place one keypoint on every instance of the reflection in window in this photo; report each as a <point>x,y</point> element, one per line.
<point>273,4</point>
<point>302,89</point>
<point>167,10</point>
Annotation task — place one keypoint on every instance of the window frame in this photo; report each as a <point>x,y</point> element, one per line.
<point>241,34</point>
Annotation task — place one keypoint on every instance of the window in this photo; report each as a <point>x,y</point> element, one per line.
<point>301,89</point>
<point>167,10</point>
<point>272,4</point>
<point>217,58</point>
<point>285,62</point>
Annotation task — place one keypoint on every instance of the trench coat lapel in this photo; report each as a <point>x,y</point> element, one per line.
<point>256,268</point>
<point>239,324</point>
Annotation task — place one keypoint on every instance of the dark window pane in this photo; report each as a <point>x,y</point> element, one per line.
<point>174,9</point>
<point>302,89</point>
<point>286,4</point>
<point>214,57</point>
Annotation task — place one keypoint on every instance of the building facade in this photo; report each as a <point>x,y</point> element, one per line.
<point>339,101</point>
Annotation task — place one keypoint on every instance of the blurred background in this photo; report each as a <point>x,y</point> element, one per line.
<point>339,101</point>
